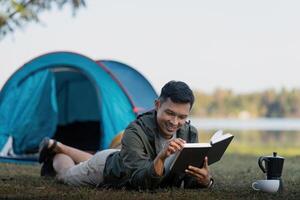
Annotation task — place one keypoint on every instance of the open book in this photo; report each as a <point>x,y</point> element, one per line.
<point>194,153</point>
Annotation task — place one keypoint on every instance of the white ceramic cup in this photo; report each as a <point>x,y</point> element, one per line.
<point>266,185</point>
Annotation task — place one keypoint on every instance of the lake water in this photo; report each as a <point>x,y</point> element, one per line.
<point>263,124</point>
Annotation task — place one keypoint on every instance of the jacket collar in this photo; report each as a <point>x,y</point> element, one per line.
<point>147,121</point>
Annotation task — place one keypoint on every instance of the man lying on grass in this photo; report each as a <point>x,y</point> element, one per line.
<point>146,144</point>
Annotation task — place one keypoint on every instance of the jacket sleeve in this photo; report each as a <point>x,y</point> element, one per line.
<point>138,161</point>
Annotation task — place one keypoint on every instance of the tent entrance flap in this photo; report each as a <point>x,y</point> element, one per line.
<point>78,110</point>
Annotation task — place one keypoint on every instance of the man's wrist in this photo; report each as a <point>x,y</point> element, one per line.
<point>211,183</point>
<point>161,155</point>
<point>159,167</point>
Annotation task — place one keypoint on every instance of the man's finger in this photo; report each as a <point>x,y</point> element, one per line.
<point>194,173</point>
<point>197,170</point>
<point>175,145</point>
<point>205,164</point>
<point>180,142</point>
<point>170,150</point>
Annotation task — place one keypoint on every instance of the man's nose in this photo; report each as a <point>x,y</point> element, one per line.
<point>175,120</point>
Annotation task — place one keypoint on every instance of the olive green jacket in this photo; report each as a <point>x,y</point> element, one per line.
<point>133,166</point>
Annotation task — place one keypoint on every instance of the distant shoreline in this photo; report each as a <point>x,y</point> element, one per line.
<point>266,124</point>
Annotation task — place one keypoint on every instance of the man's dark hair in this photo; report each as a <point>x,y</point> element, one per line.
<point>178,92</point>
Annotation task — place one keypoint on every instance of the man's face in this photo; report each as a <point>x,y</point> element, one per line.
<point>171,116</point>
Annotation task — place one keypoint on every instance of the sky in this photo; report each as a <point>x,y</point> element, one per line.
<point>240,45</point>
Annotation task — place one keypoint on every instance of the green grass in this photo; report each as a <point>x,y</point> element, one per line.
<point>258,150</point>
<point>233,177</point>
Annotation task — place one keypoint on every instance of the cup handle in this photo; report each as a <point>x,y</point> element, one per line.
<point>260,163</point>
<point>254,186</point>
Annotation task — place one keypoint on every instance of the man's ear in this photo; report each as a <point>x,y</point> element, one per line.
<point>157,104</point>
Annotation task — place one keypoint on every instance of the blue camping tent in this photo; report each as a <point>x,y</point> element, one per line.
<point>72,98</point>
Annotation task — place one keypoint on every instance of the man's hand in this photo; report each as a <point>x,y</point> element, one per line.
<point>172,147</point>
<point>202,175</point>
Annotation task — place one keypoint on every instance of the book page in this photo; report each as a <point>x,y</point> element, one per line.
<point>216,135</point>
<point>219,136</point>
<point>195,145</point>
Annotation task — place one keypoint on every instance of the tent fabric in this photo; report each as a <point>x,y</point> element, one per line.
<point>62,88</point>
<point>134,81</point>
<point>28,108</point>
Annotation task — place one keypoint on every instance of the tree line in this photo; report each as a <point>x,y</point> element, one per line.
<point>18,13</point>
<point>269,103</point>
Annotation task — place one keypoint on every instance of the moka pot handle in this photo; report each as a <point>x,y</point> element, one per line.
<point>260,163</point>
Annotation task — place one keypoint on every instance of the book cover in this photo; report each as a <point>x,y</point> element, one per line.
<point>194,153</point>
<point>219,144</point>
